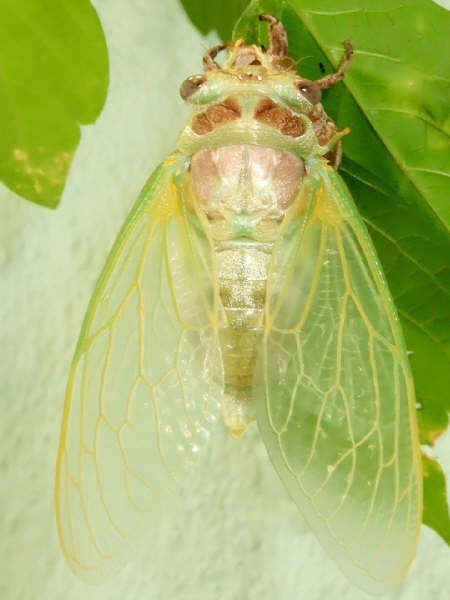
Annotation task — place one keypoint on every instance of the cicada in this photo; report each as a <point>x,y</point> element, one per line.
<point>244,287</point>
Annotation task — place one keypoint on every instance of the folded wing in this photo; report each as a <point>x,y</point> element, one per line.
<point>334,394</point>
<point>145,385</point>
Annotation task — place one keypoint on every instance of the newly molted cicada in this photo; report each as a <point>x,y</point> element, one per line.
<point>244,286</point>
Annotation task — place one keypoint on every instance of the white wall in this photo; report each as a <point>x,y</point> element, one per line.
<point>236,535</point>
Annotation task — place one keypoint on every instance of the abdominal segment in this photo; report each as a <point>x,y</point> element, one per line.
<point>245,191</point>
<point>242,273</point>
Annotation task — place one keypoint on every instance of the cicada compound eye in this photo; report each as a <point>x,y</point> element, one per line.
<point>309,90</point>
<point>191,85</point>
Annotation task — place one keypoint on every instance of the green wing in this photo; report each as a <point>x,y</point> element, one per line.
<point>334,394</point>
<point>145,384</point>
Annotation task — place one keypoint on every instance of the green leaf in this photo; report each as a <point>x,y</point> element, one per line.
<point>396,162</point>
<point>211,15</point>
<point>54,67</point>
<point>435,510</point>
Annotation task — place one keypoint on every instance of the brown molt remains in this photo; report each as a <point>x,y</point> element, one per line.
<point>325,128</point>
<point>270,113</point>
<point>205,122</point>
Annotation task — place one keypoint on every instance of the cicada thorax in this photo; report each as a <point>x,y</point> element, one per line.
<point>255,126</point>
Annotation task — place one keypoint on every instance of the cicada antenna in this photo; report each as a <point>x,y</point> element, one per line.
<point>329,80</point>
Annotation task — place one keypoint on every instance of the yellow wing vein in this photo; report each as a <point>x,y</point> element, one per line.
<point>80,458</point>
<point>395,458</point>
<point>269,319</point>
<point>101,492</point>
<point>376,390</point>
<point>195,260</point>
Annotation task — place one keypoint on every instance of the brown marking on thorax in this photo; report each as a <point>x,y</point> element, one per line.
<point>270,113</point>
<point>228,110</point>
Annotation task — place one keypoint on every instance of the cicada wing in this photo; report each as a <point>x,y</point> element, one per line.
<point>334,394</point>
<point>145,385</point>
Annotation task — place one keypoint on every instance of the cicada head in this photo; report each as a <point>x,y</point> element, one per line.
<point>256,96</point>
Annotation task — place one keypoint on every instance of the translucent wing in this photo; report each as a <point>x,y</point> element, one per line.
<point>335,399</point>
<point>145,387</point>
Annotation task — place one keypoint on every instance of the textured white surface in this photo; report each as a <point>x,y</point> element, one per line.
<point>235,534</point>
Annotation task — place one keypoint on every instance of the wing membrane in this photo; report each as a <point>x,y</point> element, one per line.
<point>145,384</point>
<point>335,399</point>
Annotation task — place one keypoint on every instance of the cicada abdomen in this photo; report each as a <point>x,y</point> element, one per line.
<point>244,286</point>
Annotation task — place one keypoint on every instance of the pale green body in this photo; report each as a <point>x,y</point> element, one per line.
<point>232,293</point>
